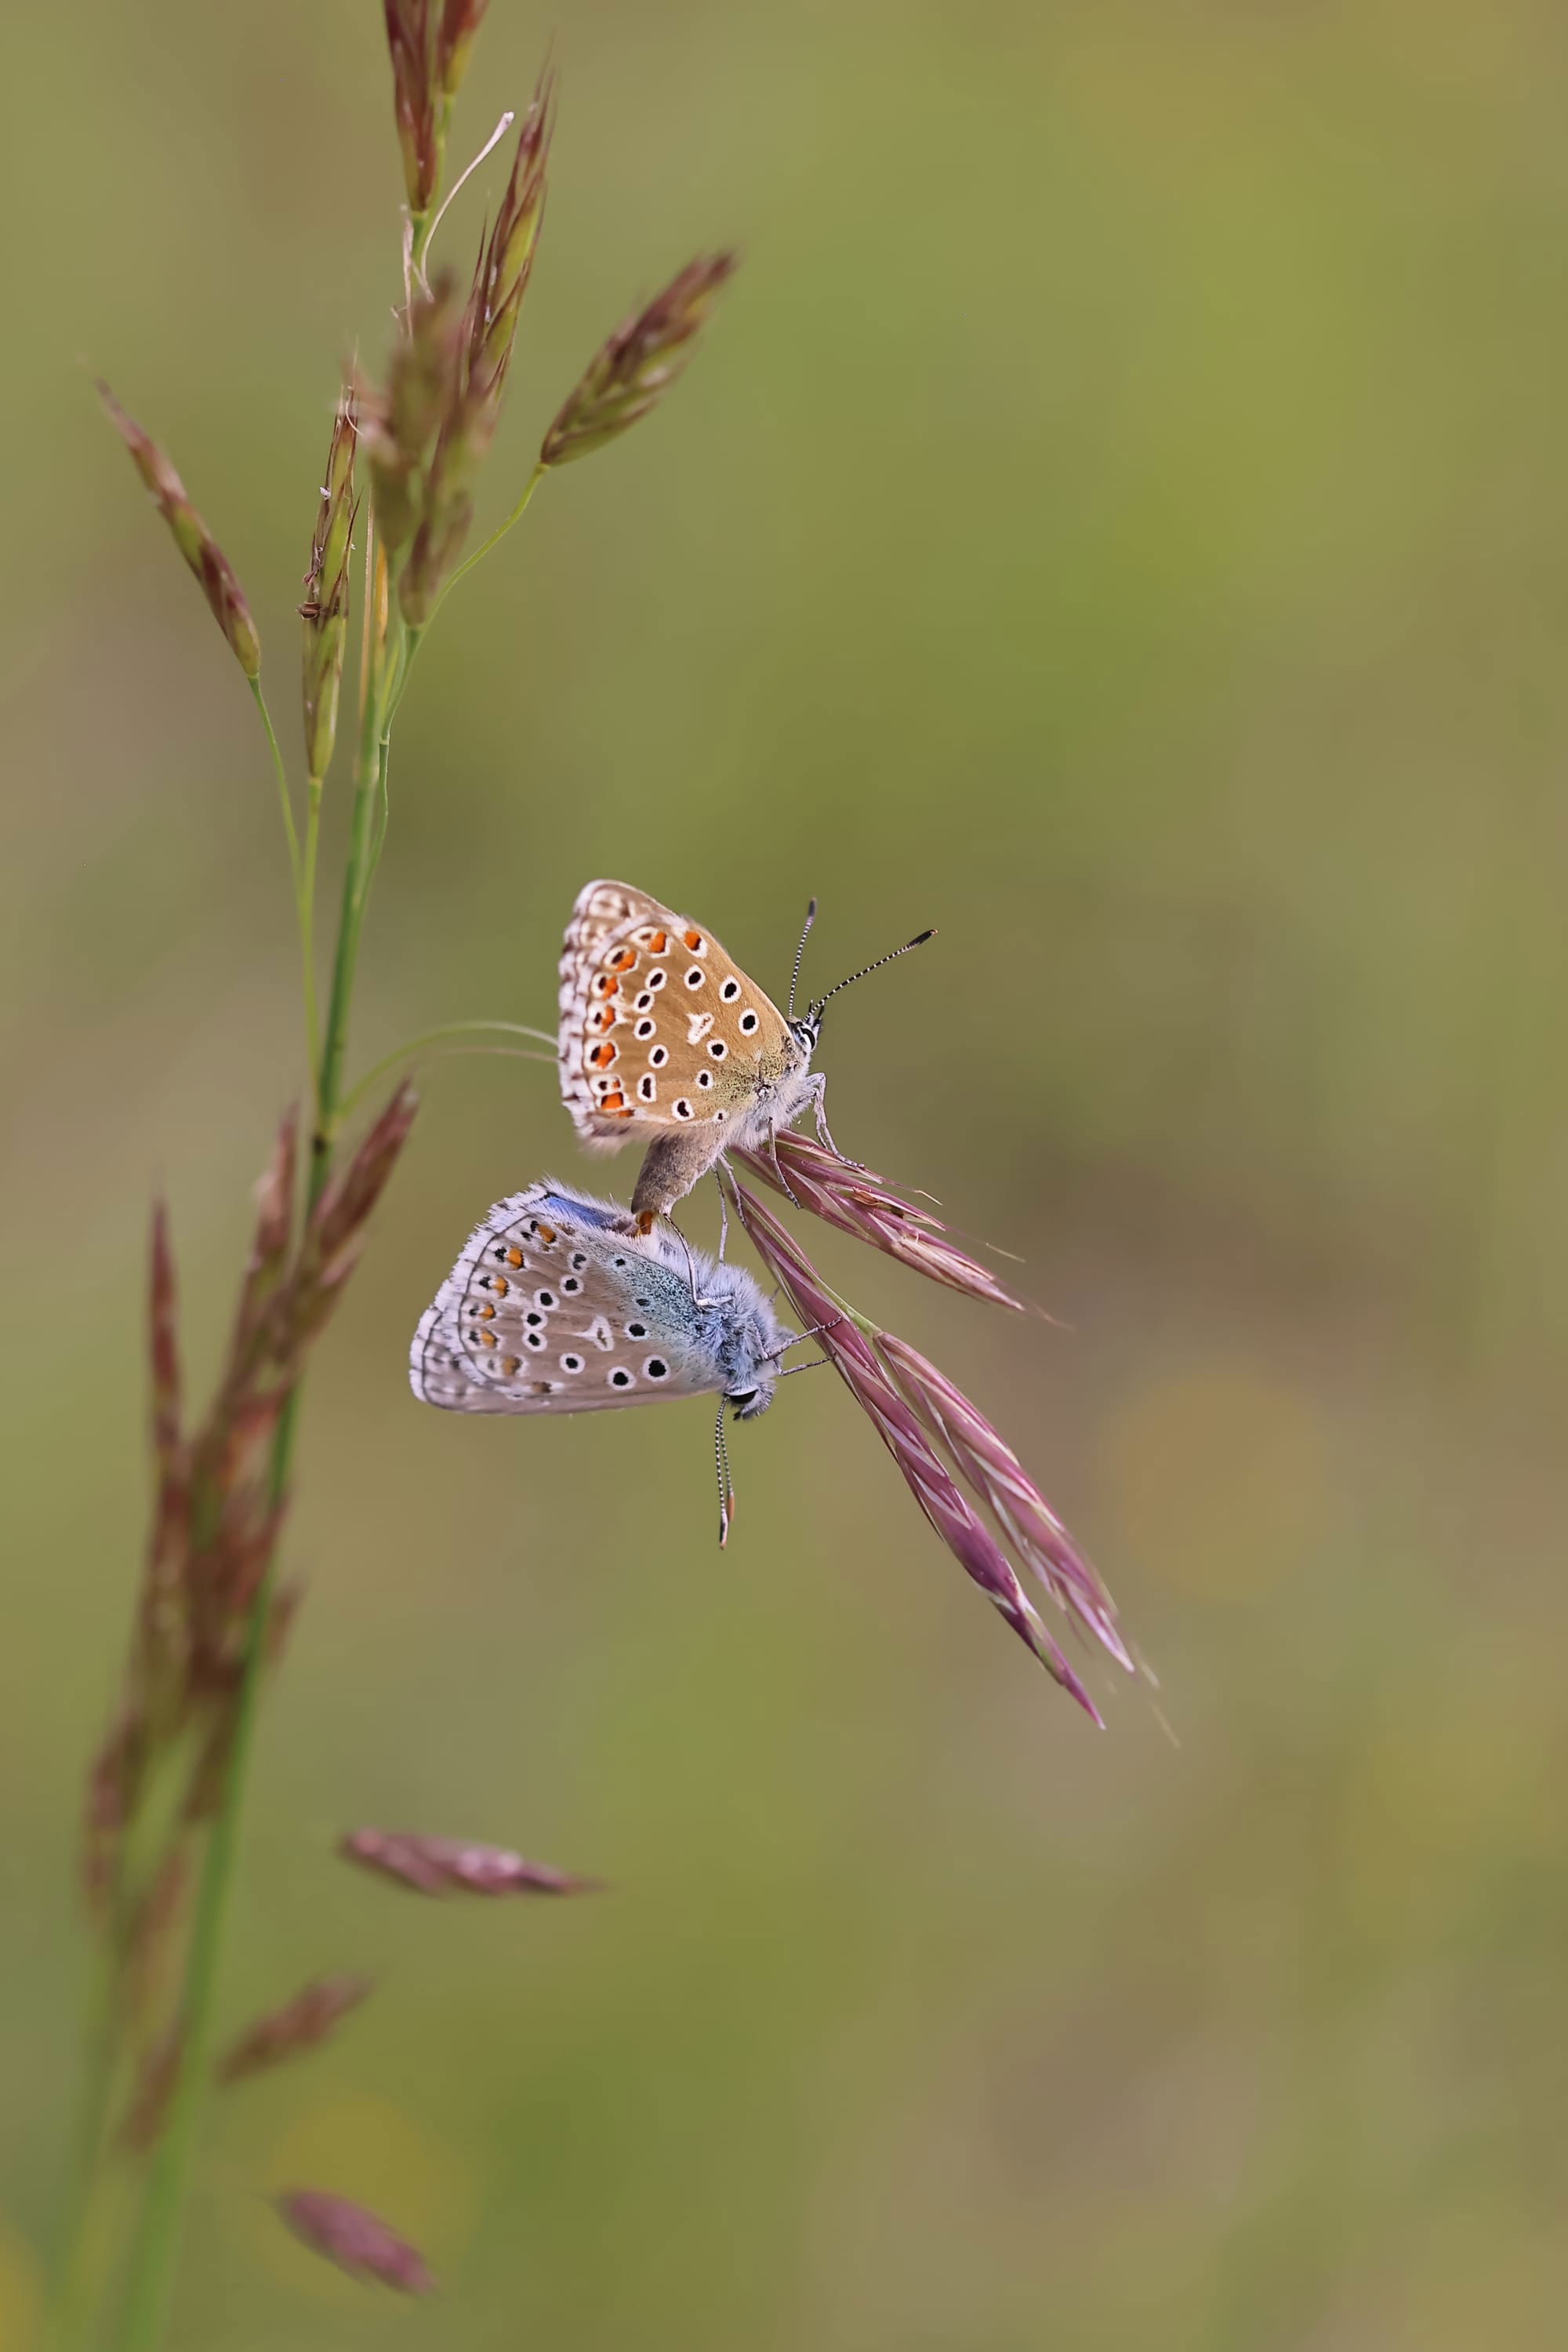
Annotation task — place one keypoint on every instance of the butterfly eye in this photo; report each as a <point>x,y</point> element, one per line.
<point>740,1398</point>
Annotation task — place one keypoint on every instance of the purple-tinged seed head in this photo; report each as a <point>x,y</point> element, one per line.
<point>443,1866</point>
<point>196,543</point>
<point>630,372</point>
<point>356,2239</point>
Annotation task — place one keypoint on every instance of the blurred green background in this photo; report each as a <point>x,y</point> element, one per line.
<point>1119,516</point>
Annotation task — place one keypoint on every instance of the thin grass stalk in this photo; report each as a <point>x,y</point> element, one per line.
<point>155,2256</point>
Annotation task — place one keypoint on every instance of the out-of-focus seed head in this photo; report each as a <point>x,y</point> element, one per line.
<point>411,43</point>
<point>190,536</point>
<point>300,2024</point>
<point>397,432</point>
<point>637,365</point>
<point>346,2234</point>
<point>326,602</point>
<point>153,2088</point>
<point>460,22</point>
<point>446,1865</point>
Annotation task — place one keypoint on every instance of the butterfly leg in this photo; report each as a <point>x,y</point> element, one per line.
<point>696,1298</point>
<point>724,1210</point>
<point>785,1187</point>
<point>819,1106</point>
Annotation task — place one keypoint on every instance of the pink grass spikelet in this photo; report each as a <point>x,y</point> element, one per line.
<point>303,2023</point>
<point>857,1202</point>
<point>631,372</point>
<point>930,1481</point>
<point>988,1465</point>
<point>190,536</point>
<point>445,1866</point>
<point>359,2243</point>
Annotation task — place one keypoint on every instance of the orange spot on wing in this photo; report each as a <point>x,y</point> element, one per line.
<point>547,1234</point>
<point>658,944</point>
<point>693,939</point>
<point>510,1364</point>
<point>602,1017</point>
<point>490,1338</point>
<point>484,1313</point>
<point>514,1255</point>
<point>612,1100</point>
<point>622,961</point>
<point>601,1057</point>
<point>498,1282</point>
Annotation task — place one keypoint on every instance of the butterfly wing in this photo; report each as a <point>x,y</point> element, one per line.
<point>556,1305</point>
<point>661,1029</point>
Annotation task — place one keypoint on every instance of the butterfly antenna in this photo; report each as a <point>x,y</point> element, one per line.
<point>806,934</point>
<point>892,957</point>
<point>726,1491</point>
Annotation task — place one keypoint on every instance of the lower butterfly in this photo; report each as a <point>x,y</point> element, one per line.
<point>559,1304</point>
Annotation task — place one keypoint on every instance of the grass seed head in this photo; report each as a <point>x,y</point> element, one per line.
<point>445,1866</point>
<point>455,37</point>
<point>326,602</point>
<point>399,430</point>
<point>411,43</point>
<point>356,2241</point>
<point>190,536</point>
<point>641,360</point>
<point>300,2024</point>
<point>944,1506</point>
<point>856,1200</point>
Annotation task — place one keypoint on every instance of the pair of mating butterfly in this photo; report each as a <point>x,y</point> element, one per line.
<point>561,1303</point>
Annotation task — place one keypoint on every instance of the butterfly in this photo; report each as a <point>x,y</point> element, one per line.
<point>558,1304</point>
<point>663,1037</point>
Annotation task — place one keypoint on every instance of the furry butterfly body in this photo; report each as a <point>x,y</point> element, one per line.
<point>665,1041</point>
<point>558,1304</point>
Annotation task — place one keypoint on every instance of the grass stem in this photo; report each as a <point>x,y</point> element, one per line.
<point>155,2256</point>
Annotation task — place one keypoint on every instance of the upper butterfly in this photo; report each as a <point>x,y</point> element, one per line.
<point>663,1037</point>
